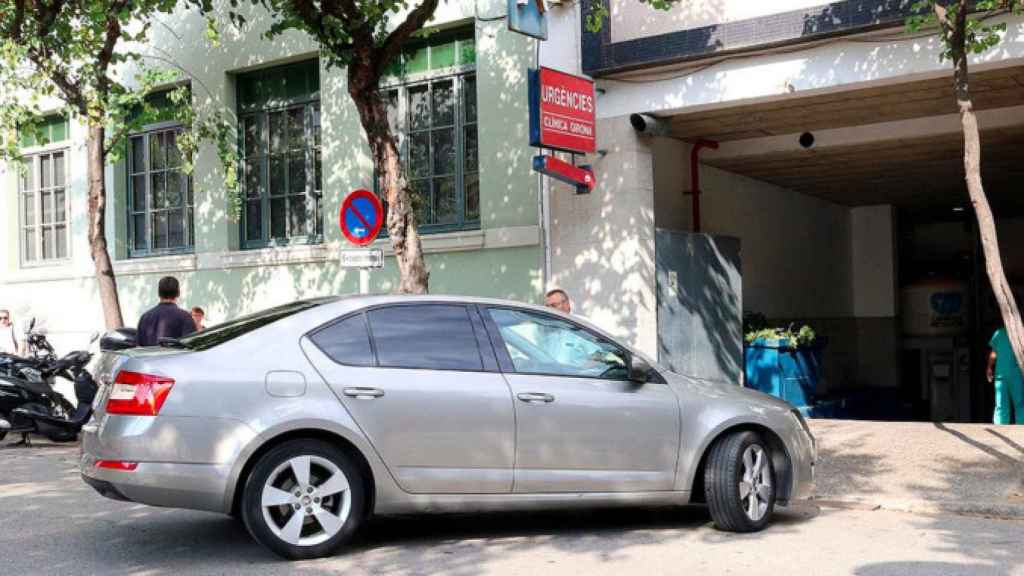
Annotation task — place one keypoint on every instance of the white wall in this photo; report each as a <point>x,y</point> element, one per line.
<point>602,243</point>
<point>631,19</point>
<point>795,249</point>
<point>873,253</point>
<point>836,65</point>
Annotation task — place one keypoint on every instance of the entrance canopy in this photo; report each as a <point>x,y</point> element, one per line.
<point>897,144</point>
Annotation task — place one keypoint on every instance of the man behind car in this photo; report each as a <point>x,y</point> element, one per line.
<point>166,319</point>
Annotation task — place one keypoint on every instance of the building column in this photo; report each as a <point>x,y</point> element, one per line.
<point>873,256</point>
<point>602,243</point>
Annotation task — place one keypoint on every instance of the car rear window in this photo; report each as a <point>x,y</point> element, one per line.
<point>346,341</point>
<point>221,333</point>
<point>426,336</point>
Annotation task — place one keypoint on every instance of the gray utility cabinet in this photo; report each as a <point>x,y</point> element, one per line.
<point>700,305</point>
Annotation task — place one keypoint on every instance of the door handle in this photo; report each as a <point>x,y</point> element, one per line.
<point>360,392</point>
<point>535,397</point>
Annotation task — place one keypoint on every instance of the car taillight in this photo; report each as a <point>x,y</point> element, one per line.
<point>122,465</point>
<point>137,394</point>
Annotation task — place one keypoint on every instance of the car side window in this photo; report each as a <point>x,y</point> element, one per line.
<point>346,341</point>
<point>425,336</point>
<point>541,344</point>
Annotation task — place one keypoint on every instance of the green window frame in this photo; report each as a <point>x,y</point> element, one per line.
<point>280,150</point>
<point>44,207</point>
<point>160,203</point>
<point>433,113</point>
<point>51,129</point>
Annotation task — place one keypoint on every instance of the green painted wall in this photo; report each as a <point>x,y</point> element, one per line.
<point>508,192</point>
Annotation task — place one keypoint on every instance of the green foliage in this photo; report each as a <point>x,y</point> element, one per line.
<point>63,58</point>
<point>596,12</point>
<point>976,36</point>
<point>805,336</point>
<point>339,26</point>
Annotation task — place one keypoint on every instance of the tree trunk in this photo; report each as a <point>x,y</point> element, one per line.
<point>401,219</point>
<point>986,221</point>
<point>97,229</point>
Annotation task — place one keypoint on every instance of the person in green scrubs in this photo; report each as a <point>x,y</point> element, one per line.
<point>1004,372</point>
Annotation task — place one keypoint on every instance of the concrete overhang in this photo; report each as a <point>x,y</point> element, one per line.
<point>896,144</point>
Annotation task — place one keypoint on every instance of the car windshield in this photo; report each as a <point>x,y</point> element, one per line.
<point>221,333</point>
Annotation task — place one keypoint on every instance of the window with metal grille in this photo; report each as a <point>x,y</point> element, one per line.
<point>44,207</point>
<point>160,196</point>
<point>279,125</point>
<point>432,109</point>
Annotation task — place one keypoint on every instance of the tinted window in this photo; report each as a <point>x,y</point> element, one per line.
<point>542,344</point>
<point>346,342</point>
<point>233,329</point>
<point>434,336</point>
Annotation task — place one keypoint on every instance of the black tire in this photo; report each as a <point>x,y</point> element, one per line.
<point>3,434</point>
<point>723,473</point>
<point>257,522</point>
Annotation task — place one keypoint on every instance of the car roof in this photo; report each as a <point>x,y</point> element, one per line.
<point>350,303</point>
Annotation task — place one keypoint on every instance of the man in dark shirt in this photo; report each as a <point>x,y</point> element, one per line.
<point>165,320</point>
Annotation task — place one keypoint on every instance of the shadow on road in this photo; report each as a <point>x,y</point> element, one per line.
<point>69,529</point>
<point>924,568</point>
<point>133,539</point>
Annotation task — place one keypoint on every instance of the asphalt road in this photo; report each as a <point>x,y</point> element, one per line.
<point>51,523</point>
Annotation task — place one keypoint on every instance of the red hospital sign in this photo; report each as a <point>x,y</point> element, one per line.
<point>561,111</point>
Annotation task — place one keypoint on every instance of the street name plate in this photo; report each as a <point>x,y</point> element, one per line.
<point>362,258</point>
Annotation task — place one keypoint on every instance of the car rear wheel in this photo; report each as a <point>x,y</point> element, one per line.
<point>739,483</point>
<point>303,499</point>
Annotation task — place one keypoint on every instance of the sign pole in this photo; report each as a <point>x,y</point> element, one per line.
<point>361,218</point>
<point>364,280</point>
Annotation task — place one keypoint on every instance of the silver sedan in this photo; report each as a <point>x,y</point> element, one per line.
<point>303,420</point>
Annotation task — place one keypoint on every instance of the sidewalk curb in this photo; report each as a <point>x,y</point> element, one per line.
<point>1009,511</point>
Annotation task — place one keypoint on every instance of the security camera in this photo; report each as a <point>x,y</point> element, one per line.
<point>649,125</point>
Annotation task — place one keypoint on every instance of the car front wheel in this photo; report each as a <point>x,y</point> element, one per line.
<point>304,499</point>
<point>739,483</point>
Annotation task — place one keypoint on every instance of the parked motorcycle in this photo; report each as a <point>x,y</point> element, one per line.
<point>32,406</point>
<point>40,354</point>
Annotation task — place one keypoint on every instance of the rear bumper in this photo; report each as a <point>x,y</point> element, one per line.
<point>193,486</point>
<point>105,488</point>
<point>182,462</point>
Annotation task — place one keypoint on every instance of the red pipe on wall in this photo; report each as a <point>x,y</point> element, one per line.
<point>695,177</point>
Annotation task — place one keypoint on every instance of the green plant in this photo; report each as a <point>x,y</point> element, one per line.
<point>805,336</point>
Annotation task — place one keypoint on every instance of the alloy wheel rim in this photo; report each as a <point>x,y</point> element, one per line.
<point>756,484</point>
<point>306,500</point>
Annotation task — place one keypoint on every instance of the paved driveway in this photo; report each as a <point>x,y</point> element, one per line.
<point>51,523</point>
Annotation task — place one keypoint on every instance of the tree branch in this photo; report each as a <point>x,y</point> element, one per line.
<point>121,133</point>
<point>359,29</point>
<point>311,15</point>
<point>47,16</point>
<point>396,39</point>
<point>59,76</point>
<point>18,20</point>
<point>113,34</point>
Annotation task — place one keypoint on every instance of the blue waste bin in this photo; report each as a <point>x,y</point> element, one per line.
<point>777,368</point>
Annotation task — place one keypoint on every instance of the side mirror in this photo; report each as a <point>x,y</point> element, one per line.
<point>119,339</point>
<point>639,370</point>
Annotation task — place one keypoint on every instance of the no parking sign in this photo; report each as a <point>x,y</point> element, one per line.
<point>361,217</point>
